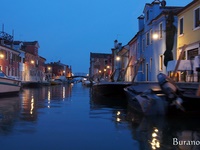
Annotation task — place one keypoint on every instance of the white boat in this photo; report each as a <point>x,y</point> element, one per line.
<point>9,85</point>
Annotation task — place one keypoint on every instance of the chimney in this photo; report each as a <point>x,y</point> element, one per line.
<point>115,44</point>
<point>141,22</point>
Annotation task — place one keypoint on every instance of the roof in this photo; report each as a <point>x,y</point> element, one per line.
<point>30,43</point>
<point>187,6</point>
<point>99,55</point>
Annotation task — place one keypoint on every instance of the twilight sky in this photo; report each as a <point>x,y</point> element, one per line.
<point>68,30</point>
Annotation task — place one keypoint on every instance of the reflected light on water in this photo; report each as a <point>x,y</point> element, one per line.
<point>63,92</point>
<point>155,143</point>
<point>49,98</point>
<point>118,119</point>
<point>49,94</point>
<point>32,105</point>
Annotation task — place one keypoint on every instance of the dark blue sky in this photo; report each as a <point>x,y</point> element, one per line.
<point>68,30</point>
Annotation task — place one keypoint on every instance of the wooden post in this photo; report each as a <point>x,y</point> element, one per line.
<point>137,68</point>
<point>126,68</point>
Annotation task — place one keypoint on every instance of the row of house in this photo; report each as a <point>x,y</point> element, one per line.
<point>166,34</point>
<point>21,60</point>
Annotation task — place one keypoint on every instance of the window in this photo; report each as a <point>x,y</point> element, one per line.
<point>150,64</point>
<point>197,18</point>
<point>151,36</point>
<point>147,15</point>
<point>181,26</point>
<point>161,63</point>
<point>160,30</point>
<point>148,39</point>
<point>6,55</point>
<point>143,45</point>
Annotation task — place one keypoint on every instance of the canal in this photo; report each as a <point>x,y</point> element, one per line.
<point>68,117</point>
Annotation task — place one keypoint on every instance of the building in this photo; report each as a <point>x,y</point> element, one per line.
<point>57,69</point>
<point>100,66</point>
<point>133,63</point>
<point>188,42</point>
<point>34,65</point>
<point>156,39</point>
<point>9,57</point>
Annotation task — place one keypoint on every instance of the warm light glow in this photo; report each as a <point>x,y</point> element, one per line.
<point>154,135</point>
<point>155,143</point>
<point>99,71</point>
<point>108,67</point>
<point>118,113</point>
<point>63,71</point>
<point>63,92</point>
<point>49,68</point>
<point>155,36</point>
<point>118,58</point>
<point>32,105</point>
<point>118,119</point>
<point>104,70</point>
<point>32,62</point>
<point>1,56</point>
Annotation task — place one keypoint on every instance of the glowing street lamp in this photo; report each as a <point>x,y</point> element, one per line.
<point>155,36</point>
<point>1,55</point>
<point>32,61</point>
<point>118,58</point>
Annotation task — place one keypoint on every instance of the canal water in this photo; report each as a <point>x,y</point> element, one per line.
<point>68,117</point>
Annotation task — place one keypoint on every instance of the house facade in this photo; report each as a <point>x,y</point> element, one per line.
<point>34,65</point>
<point>56,69</point>
<point>156,40</point>
<point>100,66</point>
<point>9,57</point>
<point>134,63</point>
<point>188,41</point>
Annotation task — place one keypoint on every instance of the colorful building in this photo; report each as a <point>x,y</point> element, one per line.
<point>9,57</point>
<point>188,41</point>
<point>56,69</point>
<point>100,66</point>
<point>156,40</point>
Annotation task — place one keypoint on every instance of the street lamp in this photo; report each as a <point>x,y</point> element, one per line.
<point>118,58</point>
<point>32,61</point>
<point>1,55</point>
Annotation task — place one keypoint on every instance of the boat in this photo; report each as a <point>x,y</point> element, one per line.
<point>55,82</point>
<point>9,85</point>
<point>185,99</point>
<point>148,103</point>
<point>110,88</point>
<point>165,99</point>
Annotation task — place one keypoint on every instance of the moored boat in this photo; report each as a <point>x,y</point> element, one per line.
<point>185,100</point>
<point>110,88</point>
<point>9,85</point>
<point>169,99</point>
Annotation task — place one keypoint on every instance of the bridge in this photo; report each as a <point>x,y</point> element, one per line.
<point>80,74</point>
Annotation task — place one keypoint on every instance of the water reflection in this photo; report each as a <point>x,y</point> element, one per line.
<point>24,108</point>
<point>161,132</point>
<point>9,109</point>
